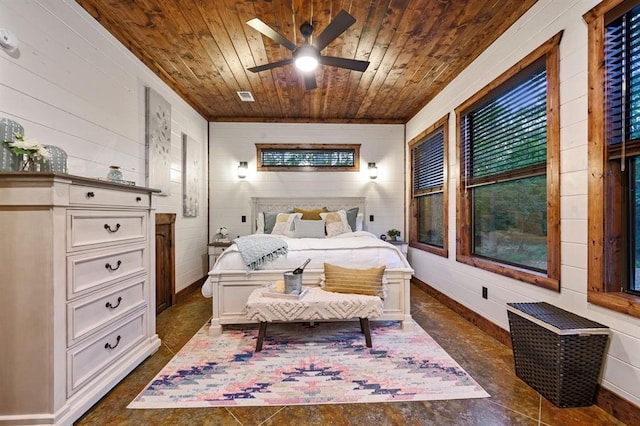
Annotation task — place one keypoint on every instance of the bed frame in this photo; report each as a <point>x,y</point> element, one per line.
<point>231,289</point>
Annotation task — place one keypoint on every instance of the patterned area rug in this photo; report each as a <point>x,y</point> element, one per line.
<point>302,364</point>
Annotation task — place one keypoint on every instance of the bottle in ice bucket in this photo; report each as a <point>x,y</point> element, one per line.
<point>293,279</point>
<point>300,269</point>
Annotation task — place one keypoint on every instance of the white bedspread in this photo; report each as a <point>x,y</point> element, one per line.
<point>360,249</point>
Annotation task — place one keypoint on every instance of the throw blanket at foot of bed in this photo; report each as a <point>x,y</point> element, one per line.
<point>256,251</point>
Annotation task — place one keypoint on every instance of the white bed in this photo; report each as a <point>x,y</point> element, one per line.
<point>230,284</point>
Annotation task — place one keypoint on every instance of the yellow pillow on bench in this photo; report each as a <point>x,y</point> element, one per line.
<point>358,281</point>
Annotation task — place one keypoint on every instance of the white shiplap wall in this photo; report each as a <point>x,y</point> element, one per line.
<point>71,84</point>
<point>462,282</point>
<point>231,143</point>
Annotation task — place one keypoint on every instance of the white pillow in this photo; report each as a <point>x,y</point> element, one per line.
<point>309,228</point>
<point>360,222</point>
<point>284,224</point>
<point>336,223</point>
<point>260,223</point>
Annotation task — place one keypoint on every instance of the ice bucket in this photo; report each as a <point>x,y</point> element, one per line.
<point>292,282</point>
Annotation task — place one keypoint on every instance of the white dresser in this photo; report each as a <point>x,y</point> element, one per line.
<point>77,276</point>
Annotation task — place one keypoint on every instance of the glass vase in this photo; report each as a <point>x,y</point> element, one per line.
<point>115,174</point>
<point>29,164</point>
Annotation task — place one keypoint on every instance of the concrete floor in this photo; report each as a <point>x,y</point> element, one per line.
<point>489,362</point>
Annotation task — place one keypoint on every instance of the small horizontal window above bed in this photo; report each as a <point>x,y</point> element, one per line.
<point>308,157</point>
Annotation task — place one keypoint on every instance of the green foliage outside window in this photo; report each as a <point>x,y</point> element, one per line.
<point>431,220</point>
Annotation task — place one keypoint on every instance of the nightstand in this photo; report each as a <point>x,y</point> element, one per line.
<point>402,245</point>
<point>215,249</point>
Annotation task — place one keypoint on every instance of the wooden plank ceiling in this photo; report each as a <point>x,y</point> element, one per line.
<point>202,49</point>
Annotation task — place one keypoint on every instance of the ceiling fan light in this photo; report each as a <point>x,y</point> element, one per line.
<point>306,58</point>
<point>306,63</point>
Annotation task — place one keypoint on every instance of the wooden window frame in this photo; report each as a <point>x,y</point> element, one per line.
<point>549,51</point>
<point>604,286</point>
<point>443,251</point>
<point>300,147</point>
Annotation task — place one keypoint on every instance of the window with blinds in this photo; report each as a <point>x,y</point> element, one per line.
<point>622,117</point>
<point>622,81</point>
<point>503,142</point>
<point>308,157</point>
<point>506,137</point>
<point>428,163</point>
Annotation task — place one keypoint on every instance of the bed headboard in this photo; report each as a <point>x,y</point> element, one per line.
<point>283,204</point>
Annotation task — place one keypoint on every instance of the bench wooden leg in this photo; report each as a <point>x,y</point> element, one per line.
<point>364,326</point>
<point>261,334</point>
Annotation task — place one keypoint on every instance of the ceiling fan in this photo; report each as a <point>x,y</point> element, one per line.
<point>307,56</point>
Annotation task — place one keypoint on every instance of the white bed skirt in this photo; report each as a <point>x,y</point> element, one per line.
<point>230,290</point>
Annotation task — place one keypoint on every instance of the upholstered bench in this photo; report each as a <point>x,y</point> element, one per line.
<point>315,305</point>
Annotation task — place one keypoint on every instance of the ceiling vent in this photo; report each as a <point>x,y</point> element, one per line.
<point>246,96</point>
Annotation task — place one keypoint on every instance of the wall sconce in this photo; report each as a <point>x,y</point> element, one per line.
<point>242,169</point>
<point>373,171</point>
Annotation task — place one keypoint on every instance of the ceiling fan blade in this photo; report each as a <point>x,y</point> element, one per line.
<point>350,64</point>
<point>260,26</point>
<point>337,26</point>
<point>270,65</point>
<point>310,80</point>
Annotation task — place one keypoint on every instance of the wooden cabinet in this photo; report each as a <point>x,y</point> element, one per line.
<point>165,261</point>
<point>78,271</point>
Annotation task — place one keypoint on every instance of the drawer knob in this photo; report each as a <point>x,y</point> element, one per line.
<point>110,306</point>
<point>108,227</point>
<point>111,268</point>
<point>90,194</point>
<point>108,345</point>
<point>138,199</point>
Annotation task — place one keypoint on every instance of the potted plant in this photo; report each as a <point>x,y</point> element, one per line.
<point>31,151</point>
<point>222,233</point>
<point>393,234</point>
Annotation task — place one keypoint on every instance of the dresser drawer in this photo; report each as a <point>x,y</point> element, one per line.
<point>98,228</point>
<point>87,360</point>
<point>89,314</point>
<point>92,196</point>
<point>89,271</point>
<point>215,250</point>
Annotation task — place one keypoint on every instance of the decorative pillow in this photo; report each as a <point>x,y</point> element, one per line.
<point>360,222</point>
<point>336,223</point>
<point>269,219</point>
<point>309,228</point>
<point>358,281</point>
<point>313,214</point>
<point>260,223</point>
<point>352,215</point>
<point>284,224</point>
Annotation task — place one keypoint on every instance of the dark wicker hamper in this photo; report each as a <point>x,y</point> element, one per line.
<point>556,352</point>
